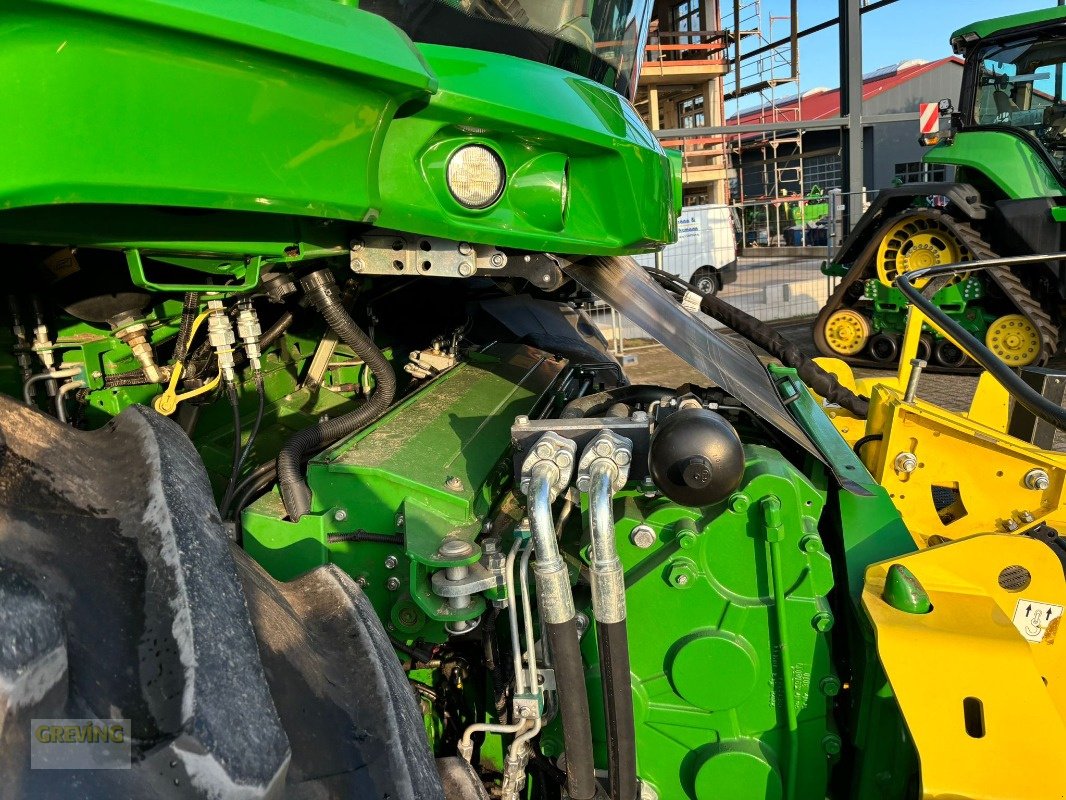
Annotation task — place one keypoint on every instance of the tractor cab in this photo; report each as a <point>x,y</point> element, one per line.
<point>598,39</point>
<point>1015,79</point>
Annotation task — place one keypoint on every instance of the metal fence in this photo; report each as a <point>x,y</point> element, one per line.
<point>778,247</point>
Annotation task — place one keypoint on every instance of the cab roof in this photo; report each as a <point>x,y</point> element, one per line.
<point>990,27</point>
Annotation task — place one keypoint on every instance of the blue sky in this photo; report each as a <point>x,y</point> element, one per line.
<point>901,31</point>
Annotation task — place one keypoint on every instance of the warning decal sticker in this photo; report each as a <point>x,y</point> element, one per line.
<point>1038,622</point>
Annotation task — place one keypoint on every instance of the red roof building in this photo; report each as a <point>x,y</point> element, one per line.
<point>769,164</point>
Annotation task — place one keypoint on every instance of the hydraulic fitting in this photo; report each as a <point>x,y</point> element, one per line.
<point>249,331</point>
<point>22,342</point>
<point>220,335</point>
<point>42,346</point>
<point>545,474</point>
<point>602,471</point>
<point>134,333</point>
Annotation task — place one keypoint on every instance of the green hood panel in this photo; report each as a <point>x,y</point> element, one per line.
<point>280,106</point>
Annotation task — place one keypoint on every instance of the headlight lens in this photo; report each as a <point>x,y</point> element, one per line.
<point>475,176</point>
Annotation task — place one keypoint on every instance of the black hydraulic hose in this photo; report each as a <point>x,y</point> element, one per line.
<point>864,440</point>
<point>295,493</point>
<point>759,333</point>
<point>189,309</point>
<point>264,470</point>
<point>261,393</point>
<point>231,393</point>
<point>613,642</point>
<point>573,708</point>
<point>414,653</point>
<point>594,405</point>
<point>253,489</point>
<point>1025,395</point>
<point>494,661</point>
<point>275,331</point>
<point>231,488</point>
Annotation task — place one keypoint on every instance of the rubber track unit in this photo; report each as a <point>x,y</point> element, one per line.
<point>1007,281</point>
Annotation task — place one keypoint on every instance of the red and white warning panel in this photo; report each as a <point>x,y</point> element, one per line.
<point>929,117</point>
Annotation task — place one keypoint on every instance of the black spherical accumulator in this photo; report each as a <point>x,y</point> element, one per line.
<point>696,457</point>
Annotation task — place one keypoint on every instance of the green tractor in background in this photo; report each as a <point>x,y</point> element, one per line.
<point>318,481</point>
<point>1007,143</point>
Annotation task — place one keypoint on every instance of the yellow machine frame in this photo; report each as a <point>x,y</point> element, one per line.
<point>977,687</point>
<point>921,452</point>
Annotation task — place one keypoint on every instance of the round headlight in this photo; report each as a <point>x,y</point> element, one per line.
<point>475,176</point>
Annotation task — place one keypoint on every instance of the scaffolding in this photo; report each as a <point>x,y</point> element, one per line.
<point>765,84</point>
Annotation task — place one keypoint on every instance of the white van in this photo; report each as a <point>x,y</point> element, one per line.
<point>705,253</point>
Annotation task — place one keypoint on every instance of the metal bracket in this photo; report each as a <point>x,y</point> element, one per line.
<point>527,706</point>
<point>546,680</point>
<point>394,253</point>
<point>526,433</point>
<point>399,254</point>
<point>478,579</point>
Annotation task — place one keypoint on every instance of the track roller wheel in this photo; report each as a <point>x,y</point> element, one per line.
<point>916,242</point>
<point>947,354</point>
<point>847,331</point>
<point>1014,340</point>
<point>884,348</point>
<point>925,347</point>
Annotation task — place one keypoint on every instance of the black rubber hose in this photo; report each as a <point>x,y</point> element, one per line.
<point>231,488</point>
<point>864,440</point>
<point>231,393</point>
<point>1022,393</point>
<point>573,708</point>
<point>253,488</point>
<point>414,653</point>
<point>494,662</point>
<point>268,468</point>
<point>189,309</point>
<point>759,333</point>
<point>594,405</point>
<point>295,493</point>
<point>275,331</point>
<point>613,644</point>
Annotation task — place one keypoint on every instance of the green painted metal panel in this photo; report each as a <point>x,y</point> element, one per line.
<point>241,105</point>
<point>1004,158</point>
<point>728,622</point>
<point>434,466</point>
<point>277,109</point>
<point>990,27</point>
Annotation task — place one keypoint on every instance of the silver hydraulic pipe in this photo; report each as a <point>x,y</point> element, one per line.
<point>602,471</point>
<point>608,579</point>
<point>512,614</point>
<point>64,390</point>
<point>546,473</point>
<point>527,615</point>
<point>466,744</point>
<point>52,375</point>
<point>553,579</point>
